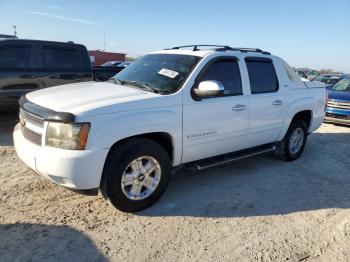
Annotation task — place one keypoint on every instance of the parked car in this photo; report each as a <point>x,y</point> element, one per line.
<point>111,64</point>
<point>124,64</point>
<point>198,107</point>
<point>338,104</point>
<point>29,65</point>
<point>306,74</point>
<point>108,70</point>
<point>329,79</point>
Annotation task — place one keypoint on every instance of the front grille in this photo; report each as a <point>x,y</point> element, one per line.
<point>28,117</point>
<point>34,135</point>
<point>339,104</point>
<point>31,135</point>
<point>343,117</point>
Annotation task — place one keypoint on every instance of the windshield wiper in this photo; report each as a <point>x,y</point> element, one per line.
<point>139,85</point>
<point>116,81</point>
<point>143,86</point>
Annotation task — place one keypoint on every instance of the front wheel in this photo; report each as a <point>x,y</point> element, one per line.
<point>136,174</point>
<point>292,145</point>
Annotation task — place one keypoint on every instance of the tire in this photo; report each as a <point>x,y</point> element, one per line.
<point>285,149</point>
<point>119,170</point>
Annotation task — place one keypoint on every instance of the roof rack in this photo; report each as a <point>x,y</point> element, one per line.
<point>223,48</point>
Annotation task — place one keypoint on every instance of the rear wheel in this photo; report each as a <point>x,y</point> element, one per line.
<point>292,145</point>
<point>136,174</point>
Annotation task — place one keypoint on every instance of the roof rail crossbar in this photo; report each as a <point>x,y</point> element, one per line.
<point>195,47</point>
<point>222,48</point>
<point>257,50</point>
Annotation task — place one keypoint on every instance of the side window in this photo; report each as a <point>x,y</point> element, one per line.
<point>61,58</point>
<point>15,57</point>
<point>227,73</point>
<point>262,75</point>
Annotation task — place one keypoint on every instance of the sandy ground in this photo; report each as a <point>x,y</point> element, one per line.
<point>258,209</point>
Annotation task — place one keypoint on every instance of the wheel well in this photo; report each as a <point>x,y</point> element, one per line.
<point>164,139</point>
<point>304,115</point>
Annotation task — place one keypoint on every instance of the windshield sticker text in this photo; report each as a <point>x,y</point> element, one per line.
<point>169,73</point>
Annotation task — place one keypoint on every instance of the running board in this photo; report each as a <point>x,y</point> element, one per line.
<point>228,158</point>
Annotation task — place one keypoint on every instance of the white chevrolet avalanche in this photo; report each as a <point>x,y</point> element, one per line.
<point>193,105</point>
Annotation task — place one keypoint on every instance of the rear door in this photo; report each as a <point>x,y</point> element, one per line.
<point>17,69</point>
<point>268,103</point>
<point>216,125</point>
<point>61,64</point>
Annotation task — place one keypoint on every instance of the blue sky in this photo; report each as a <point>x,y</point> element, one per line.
<point>305,33</point>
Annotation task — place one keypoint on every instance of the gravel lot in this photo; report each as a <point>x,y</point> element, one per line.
<point>258,209</point>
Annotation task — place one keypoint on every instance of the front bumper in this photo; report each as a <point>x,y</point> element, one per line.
<point>338,116</point>
<point>74,169</point>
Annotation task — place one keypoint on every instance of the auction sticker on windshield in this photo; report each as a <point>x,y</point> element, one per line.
<point>169,73</point>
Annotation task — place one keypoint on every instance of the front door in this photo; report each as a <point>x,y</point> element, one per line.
<point>216,125</point>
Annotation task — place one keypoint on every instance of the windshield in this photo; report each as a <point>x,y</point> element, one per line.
<point>342,85</point>
<point>327,80</point>
<point>164,73</point>
<point>312,74</point>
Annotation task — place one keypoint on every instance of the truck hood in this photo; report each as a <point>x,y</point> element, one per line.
<point>80,97</point>
<point>339,95</point>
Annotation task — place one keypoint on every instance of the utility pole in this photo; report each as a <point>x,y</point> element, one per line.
<point>104,40</point>
<point>14,30</point>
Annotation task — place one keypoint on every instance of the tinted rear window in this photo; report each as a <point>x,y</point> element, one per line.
<point>262,76</point>
<point>15,57</point>
<point>64,59</point>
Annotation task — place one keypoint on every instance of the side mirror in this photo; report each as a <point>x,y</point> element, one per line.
<point>209,88</point>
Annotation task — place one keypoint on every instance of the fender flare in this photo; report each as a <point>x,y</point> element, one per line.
<point>303,104</point>
<point>117,128</point>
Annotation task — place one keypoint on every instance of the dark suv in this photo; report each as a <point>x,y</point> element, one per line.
<point>28,65</point>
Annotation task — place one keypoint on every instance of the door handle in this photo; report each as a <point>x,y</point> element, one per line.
<point>239,107</point>
<point>277,102</point>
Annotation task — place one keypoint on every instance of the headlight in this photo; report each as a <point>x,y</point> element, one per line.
<point>67,136</point>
